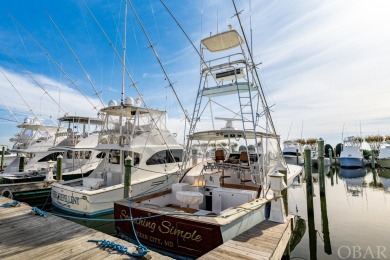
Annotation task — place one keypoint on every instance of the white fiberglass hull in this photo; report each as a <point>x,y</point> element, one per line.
<point>79,200</point>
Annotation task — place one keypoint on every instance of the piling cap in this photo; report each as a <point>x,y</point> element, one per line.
<point>60,156</point>
<point>281,166</point>
<point>22,155</point>
<point>128,158</point>
<point>276,173</point>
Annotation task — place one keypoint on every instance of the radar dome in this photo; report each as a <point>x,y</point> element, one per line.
<point>129,101</point>
<point>112,103</point>
<point>27,120</point>
<point>36,121</point>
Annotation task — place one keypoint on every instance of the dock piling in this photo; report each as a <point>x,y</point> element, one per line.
<point>321,170</point>
<point>127,177</point>
<point>330,152</point>
<point>59,168</point>
<point>372,159</point>
<point>310,207</point>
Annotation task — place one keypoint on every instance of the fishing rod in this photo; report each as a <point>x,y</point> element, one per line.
<point>26,103</point>
<point>72,82</point>
<point>78,61</point>
<point>159,60</point>
<point>35,81</point>
<point>260,88</point>
<point>133,83</point>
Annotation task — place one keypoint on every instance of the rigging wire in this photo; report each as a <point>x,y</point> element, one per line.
<point>159,60</point>
<point>78,61</point>
<point>262,96</point>
<point>133,83</point>
<point>29,107</point>
<point>35,81</point>
<point>72,82</point>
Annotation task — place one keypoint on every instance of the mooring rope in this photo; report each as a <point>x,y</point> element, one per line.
<point>39,212</point>
<point>10,204</point>
<point>142,250</point>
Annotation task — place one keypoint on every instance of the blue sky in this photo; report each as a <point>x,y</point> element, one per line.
<point>325,64</point>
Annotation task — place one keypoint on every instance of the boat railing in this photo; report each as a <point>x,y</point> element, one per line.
<point>223,62</point>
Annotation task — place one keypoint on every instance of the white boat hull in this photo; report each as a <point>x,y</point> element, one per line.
<point>80,201</point>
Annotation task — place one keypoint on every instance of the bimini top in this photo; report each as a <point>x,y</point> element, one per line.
<point>130,110</point>
<point>215,135</point>
<point>81,120</point>
<point>223,41</point>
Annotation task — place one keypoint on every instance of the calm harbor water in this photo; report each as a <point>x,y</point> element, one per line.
<point>351,221</point>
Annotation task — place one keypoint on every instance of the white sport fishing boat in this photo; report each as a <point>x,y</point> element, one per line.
<point>143,136</point>
<point>32,145</point>
<point>293,152</point>
<point>215,199</point>
<point>352,155</point>
<point>74,144</point>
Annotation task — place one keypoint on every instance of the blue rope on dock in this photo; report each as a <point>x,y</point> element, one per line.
<point>142,250</point>
<point>35,210</point>
<point>14,203</point>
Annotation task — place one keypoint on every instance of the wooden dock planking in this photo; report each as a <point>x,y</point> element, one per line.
<point>266,240</point>
<point>25,236</point>
<point>25,186</point>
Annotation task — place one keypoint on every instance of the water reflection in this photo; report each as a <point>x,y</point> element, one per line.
<point>325,226</point>
<point>354,180</point>
<point>384,175</point>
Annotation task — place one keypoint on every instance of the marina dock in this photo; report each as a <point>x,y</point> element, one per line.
<point>267,240</point>
<point>27,236</point>
<point>25,186</point>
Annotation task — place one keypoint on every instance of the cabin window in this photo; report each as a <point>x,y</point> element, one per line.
<point>136,157</point>
<point>165,156</point>
<point>101,155</point>
<point>87,154</point>
<point>114,157</point>
<point>52,157</point>
<point>69,154</point>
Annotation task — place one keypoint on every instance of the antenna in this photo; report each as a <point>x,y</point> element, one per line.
<point>78,61</point>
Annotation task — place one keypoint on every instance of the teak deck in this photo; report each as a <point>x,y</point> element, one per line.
<point>27,236</point>
<point>266,240</point>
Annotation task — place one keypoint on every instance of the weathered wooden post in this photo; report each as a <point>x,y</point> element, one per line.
<point>330,152</point>
<point>310,208</point>
<point>374,177</point>
<point>332,171</point>
<point>309,181</point>
<point>297,153</point>
<point>372,159</point>
<point>127,177</point>
<point>59,168</point>
<point>321,170</point>
<point>2,158</point>
<point>22,158</point>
